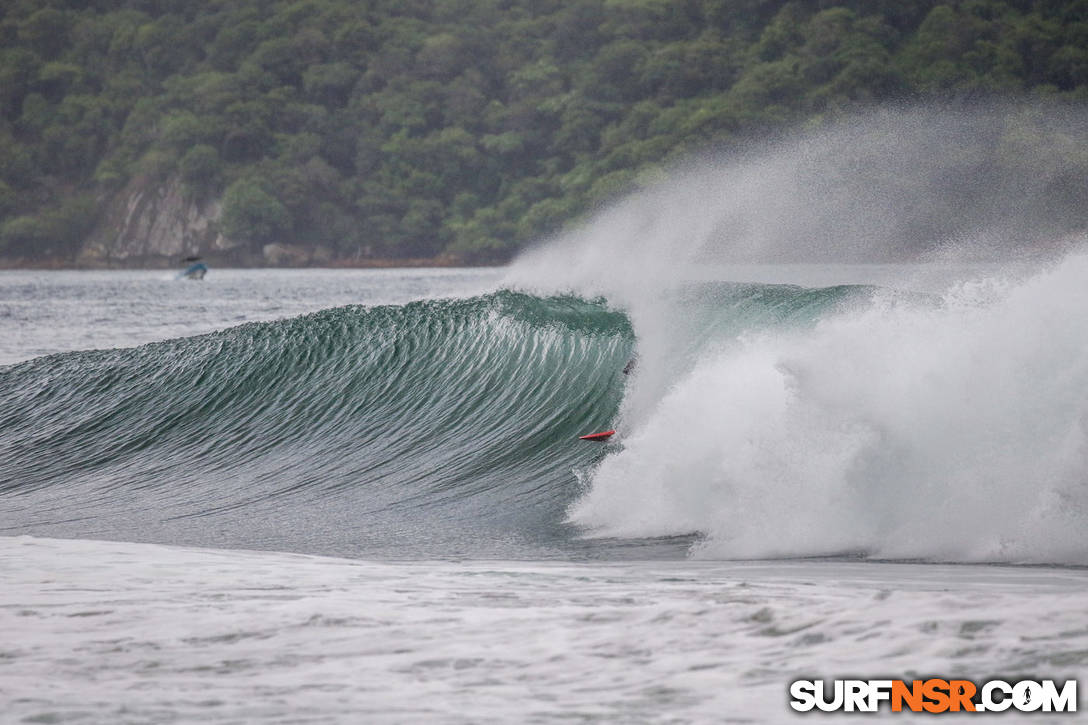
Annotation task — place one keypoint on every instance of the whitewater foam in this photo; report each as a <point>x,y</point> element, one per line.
<point>105,632</point>
<point>907,419</point>
<point>951,429</point>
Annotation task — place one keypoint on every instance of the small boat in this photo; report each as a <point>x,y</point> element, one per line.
<point>196,270</point>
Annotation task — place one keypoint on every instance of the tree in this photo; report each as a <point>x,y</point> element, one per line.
<point>45,31</point>
<point>200,168</point>
<point>471,125</point>
<point>252,214</point>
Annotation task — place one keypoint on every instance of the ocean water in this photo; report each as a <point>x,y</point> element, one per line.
<point>355,496</point>
<point>118,633</point>
<point>48,312</point>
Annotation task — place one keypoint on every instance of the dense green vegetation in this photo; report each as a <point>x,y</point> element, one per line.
<point>409,128</point>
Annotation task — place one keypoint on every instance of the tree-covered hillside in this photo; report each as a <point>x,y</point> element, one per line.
<point>412,128</point>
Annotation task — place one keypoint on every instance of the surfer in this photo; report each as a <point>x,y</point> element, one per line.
<point>605,435</point>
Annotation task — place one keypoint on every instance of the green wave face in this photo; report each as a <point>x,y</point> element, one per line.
<point>346,430</point>
<point>430,429</point>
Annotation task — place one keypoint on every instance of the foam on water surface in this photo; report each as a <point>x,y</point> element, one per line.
<point>104,632</point>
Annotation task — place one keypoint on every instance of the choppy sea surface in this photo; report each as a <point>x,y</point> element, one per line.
<point>359,496</point>
<point>48,312</point>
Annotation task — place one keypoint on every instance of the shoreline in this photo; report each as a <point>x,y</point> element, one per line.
<point>58,265</point>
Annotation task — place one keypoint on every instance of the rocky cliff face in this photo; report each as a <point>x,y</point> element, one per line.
<point>155,224</point>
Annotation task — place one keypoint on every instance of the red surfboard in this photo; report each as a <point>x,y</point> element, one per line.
<point>603,436</point>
